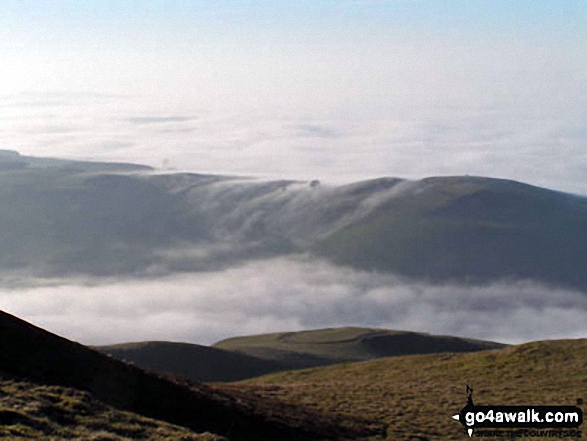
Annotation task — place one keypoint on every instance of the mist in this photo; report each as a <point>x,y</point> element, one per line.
<point>289,294</point>
<point>517,141</point>
<point>336,91</point>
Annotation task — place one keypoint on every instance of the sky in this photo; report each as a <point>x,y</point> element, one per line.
<point>335,90</point>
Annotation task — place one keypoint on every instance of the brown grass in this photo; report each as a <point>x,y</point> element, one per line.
<point>414,396</point>
<point>54,413</point>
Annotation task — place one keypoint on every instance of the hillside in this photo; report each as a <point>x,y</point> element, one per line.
<point>335,345</point>
<point>28,410</point>
<point>415,396</point>
<point>30,353</point>
<point>66,218</point>
<point>196,362</point>
<point>471,230</point>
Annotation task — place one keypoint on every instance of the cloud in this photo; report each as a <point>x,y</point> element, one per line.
<point>293,294</point>
<point>535,142</point>
<point>54,129</point>
<point>314,130</point>
<point>159,119</point>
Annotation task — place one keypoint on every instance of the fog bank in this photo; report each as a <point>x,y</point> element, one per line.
<point>288,294</point>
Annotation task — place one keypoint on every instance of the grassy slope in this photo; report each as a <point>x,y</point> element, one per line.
<point>28,410</point>
<point>470,229</point>
<point>66,221</point>
<point>416,395</point>
<point>31,353</point>
<point>334,345</point>
<point>196,362</point>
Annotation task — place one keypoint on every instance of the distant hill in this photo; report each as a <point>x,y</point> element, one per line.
<point>71,218</point>
<point>10,159</point>
<point>35,355</point>
<point>196,362</point>
<point>240,358</point>
<point>469,230</point>
<point>415,396</point>
<point>335,345</point>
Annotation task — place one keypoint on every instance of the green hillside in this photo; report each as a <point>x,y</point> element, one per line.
<point>471,230</point>
<point>415,396</point>
<point>335,345</point>
<point>196,362</point>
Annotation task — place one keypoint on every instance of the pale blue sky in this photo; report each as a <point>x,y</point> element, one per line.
<point>156,22</point>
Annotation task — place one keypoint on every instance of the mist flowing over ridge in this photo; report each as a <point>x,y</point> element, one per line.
<point>65,218</point>
<point>224,255</point>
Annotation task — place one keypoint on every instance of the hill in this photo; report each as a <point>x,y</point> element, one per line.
<point>66,218</point>
<point>196,362</point>
<point>469,230</point>
<point>239,358</point>
<point>415,396</point>
<point>335,345</point>
<point>35,355</point>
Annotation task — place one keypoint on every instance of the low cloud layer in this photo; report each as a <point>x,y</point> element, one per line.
<point>293,294</point>
<point>539,143</point>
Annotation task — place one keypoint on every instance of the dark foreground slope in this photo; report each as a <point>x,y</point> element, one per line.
<point>415,396</point>
<point>29,410</point>
<point>335,345</point>
<point>63,218</point>
<point>196,362</point>
<point>31,353</point>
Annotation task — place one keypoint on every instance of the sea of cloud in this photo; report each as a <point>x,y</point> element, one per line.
<point>522,141</point>
<point>288,294</point>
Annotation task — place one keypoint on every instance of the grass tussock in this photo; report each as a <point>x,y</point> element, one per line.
<point>29,411</point>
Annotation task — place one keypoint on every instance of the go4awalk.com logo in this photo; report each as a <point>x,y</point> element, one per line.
<point>521,421</point>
